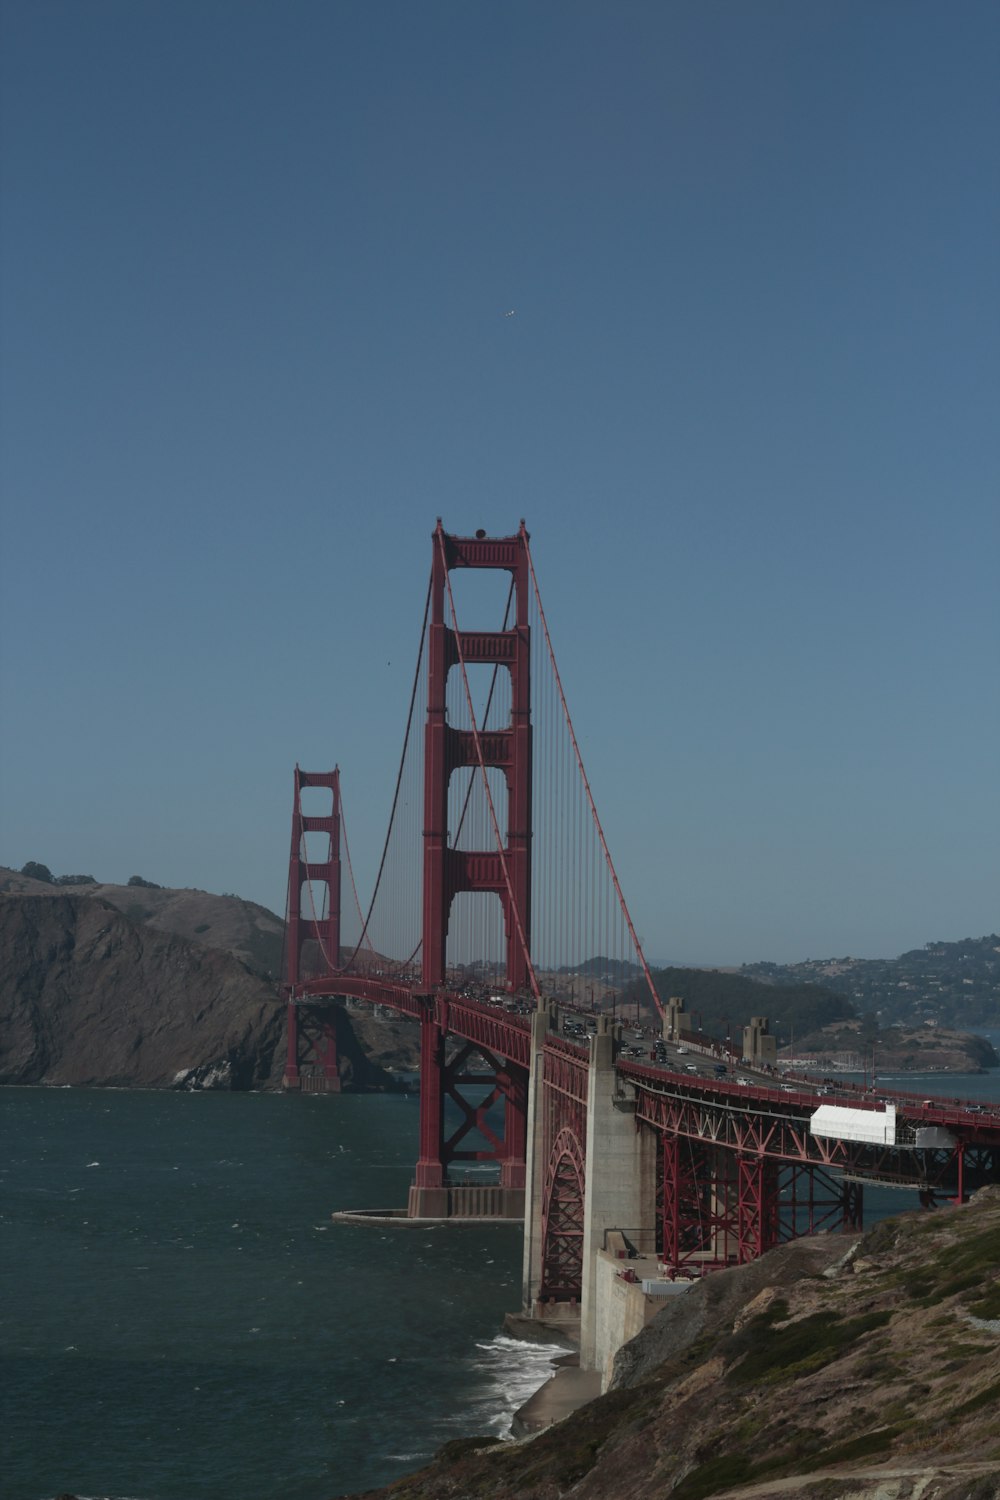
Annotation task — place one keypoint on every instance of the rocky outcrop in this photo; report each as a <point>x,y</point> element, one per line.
<point>252,933</point>
<point>827,1370</point>
<point>89,997</point>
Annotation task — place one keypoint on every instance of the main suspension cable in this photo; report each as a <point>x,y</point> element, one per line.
<point>399,780</point>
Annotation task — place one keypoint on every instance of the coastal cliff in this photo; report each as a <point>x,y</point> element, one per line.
<point>92,997</point>
<point>832,1369</point>
<point>89,997</point>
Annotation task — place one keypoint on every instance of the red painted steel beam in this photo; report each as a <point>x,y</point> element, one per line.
<point>447,872</point>
<point>325,931</point>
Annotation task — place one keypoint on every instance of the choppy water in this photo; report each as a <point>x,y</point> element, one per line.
<point>183,1320</point>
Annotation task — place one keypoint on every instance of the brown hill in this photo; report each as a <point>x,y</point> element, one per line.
<point>807,1375</point>
<point>897,1049</point>
<point>89,996</point>
<point>254,934</point>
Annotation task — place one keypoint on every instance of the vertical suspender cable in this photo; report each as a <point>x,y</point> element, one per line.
<point>589,796</point>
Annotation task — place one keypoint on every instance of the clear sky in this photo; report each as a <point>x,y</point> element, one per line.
<point>257,260</point>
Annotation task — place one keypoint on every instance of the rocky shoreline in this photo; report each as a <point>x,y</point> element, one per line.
<point>836,1366</point>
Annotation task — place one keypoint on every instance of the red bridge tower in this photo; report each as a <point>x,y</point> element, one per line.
<point>312,1061</point>
<point>448,871</point>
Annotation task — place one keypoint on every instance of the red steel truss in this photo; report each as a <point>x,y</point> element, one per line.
<point>445,1074</point>
<point>562,1221</point>
<point>313,1062</point>
<point>564,1148</point>
<point>742,1171</point>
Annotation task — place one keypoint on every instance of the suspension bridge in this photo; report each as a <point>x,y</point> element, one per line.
<point>498,923</point>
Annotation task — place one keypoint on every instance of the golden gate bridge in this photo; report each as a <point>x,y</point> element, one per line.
<point>496,911</point>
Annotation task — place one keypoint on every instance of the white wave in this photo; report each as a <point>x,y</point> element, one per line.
<point>504,1373</point>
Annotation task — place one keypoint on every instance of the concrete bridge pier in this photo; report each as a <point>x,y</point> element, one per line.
<point>620,1190</point>
<point>543,1021</point>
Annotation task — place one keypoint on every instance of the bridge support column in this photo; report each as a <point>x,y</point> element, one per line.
<point>312,1062</point>
<point>535,1163</point>
<point>621,1180</point>
<point>514,1087</point>
<point>757,1207</point>
<point>429,1194</point>
<point>292,1078</point>
<point>673,1019</point>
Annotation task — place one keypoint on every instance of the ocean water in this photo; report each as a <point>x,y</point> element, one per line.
<point>181,1319</point>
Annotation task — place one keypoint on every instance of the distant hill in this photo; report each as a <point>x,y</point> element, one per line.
<point>139,986</point>
<point>616,971</point>
<point>950,983</point>
<point>250,932</point>
<point>718,999</point>
<point>88,996</point>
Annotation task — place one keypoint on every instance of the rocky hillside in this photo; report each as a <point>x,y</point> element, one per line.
<point>251,932</point>
<point>955,984</point>
<point>828,1370</point>
<point>89,996</point>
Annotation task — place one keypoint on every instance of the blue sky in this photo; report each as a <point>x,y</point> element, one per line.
<point>256,261</point>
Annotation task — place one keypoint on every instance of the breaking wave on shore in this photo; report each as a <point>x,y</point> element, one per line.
<point>505,1372</point>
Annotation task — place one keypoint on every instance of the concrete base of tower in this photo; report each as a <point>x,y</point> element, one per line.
<point>469,1201</point>
<point>427,1203</point>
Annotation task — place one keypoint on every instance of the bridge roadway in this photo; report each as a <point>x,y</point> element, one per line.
<point>744,1110</point>
<point>743,1091</point>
